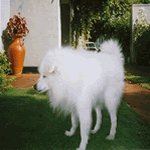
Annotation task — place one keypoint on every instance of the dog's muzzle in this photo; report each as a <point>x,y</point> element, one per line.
<point>35,87</point>
<point>39,91</point>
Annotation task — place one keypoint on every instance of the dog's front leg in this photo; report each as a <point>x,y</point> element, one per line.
<point>74,121</point>
<point>98,122</point>
<point>84,113</point>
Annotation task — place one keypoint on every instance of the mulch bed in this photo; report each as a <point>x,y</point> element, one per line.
<point>138,98</point>
<point>25,80</point>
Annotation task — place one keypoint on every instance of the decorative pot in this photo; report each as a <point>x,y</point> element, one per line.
<point>16,54</point>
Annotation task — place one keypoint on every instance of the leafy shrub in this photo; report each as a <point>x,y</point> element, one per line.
<point>5,69</point>
<point>142,39</point>
<point>141,25</point>
<point>7,40</point>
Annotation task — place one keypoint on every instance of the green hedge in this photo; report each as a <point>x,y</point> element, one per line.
<point>5,69</point>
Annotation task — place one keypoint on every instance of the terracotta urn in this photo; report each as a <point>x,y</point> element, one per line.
<point>16,54</point>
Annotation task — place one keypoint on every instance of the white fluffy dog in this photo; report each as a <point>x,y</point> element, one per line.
<point>78,81</point>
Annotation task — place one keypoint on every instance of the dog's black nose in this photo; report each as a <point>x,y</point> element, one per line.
<point>35,86</point>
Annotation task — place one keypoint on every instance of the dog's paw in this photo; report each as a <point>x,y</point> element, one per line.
<point>80,149</point>
<point>68,133</point>
<point>110,137</point>
<point>93,131</point>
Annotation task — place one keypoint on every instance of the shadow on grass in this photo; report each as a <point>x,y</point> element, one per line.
<point>27,122</point>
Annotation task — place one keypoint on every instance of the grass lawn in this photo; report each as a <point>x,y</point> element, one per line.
<point>27,122</point>
<point>138,77</point>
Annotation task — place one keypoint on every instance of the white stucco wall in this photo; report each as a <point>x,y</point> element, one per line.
<point>43,22</point>
<point>4,16</point>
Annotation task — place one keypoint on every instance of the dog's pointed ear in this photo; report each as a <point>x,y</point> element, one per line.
<point>52,68</point>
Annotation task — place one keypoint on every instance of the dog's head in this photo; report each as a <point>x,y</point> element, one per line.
<point>47,71</point>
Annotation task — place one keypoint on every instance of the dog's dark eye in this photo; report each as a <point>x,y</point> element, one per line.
<point>44,76</point>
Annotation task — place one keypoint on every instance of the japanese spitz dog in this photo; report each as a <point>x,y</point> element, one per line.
<point>78,81</point>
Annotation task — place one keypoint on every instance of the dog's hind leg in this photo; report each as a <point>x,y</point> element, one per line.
<point>98,120</point>
<point>74,121</point>
<point>85,118</point>
<point>113,96</point>
<point>111,104</point>
<point>112,133</point>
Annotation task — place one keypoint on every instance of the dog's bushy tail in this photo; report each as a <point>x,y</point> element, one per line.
<point>111,46</point>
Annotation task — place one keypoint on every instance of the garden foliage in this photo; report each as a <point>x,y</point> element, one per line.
<point>5,69</point>
<point>108,18</point>
<point>142,38</point>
